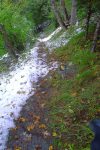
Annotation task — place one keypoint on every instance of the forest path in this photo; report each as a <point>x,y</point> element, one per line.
<point>31,128</point>
<point>20,102</point>
<point>31,131</point>
<point>25,90</point>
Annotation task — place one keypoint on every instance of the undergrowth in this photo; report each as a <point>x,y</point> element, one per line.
<point>3,67</point>
<point>2,49</point>
<point>75,101</point>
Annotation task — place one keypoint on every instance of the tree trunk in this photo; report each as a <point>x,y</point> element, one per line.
<point>95,36</point>
<point>88,17</point>
<point>8,45</point>
<point>73,12</point>
<point>58,17</point>
<point>65,13</point>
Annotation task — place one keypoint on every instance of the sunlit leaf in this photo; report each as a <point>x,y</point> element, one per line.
<point>74,94</point>
<point>17,147</point>
<point>30,127</point>
<point>62,67</point>
<point>42,126</point>
<point>22,119</point>
<point>70,110</point>
<point>50,147</point>
<point>37,118</point>
<point>54,134</point>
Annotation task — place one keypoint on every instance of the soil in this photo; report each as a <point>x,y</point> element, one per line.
<point>31,131</point>
<point>31,128</point>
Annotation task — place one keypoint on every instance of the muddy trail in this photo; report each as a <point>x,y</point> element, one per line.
<point>24,92</point>
<point>31,131</point>
<point>31,127</point>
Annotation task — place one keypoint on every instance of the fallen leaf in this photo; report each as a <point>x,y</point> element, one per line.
<point>46,134</point>
<point>42,126</point>
<point>74,94</point>
<point>14,129</point>
<point>50,147</point>
<point>54,134</point>
<point>70,110</point>
<point>62,67</point>
<point>42,105</point>
<point>83,89</point>
<point>38,147</point>
<point>37,118</point>
<point>22,119</point>
<point>18,148</point>
<point>30,127</point>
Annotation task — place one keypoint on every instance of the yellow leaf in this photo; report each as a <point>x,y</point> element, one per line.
<point>50,147</point>
<point>54,134</point>
<point>37,118</point>
<point>30,127</point>
<point>74,94</point>
<point>18,148</point>
<point>42,126</point>
<point>14,129</point>
<point>42,105</point>
<point>21,119</point>
<point>62,67</point>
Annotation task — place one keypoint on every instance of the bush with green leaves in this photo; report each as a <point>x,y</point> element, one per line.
<point>16,24</point>
<point>38,11</point>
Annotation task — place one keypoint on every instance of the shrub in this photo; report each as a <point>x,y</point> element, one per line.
<point>17,26</point>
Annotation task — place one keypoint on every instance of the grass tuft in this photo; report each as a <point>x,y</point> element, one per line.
<point>76,101</point>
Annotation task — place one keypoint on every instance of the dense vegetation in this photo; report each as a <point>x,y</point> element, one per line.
<point>16,26</point>
<point>19,22</point>
<point>75,101</point>
<point>75,97</point>
<point>20,19</point>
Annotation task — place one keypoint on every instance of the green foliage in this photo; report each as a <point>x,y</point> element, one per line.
<point>2,49</point>
<point>16,25</point>
<point>74,101</point>
<point>86,64</point>
<point>21,18</point>
<point>65,108</point>
<point>86,75</point>
<point>38,10</point>
<point>3,67</point>
<point>68,5</point>
<point>81,13</point>
<point>49,29</point>
<point>66,52</point>
<point>84,58</point>
<point>83,8</point>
